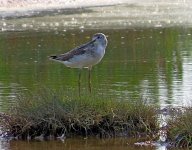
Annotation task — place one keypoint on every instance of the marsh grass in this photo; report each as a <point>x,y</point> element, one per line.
<point>180,128</point>
<point>56,113</point>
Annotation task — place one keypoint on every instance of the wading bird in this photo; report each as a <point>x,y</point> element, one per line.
<point>84,56</point>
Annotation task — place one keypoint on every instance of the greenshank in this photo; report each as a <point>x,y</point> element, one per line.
<point>84,56</point>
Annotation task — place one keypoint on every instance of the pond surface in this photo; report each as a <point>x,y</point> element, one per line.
<point>150,63</point>
<point>149,56</point>
<point>74,144</point>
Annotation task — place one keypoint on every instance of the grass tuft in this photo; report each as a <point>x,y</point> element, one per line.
<point>57,113</point>
<point>180,128</point>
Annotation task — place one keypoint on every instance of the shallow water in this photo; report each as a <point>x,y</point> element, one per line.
<point>73,144</point>
<point>152,63</point>
<point>148,56</point>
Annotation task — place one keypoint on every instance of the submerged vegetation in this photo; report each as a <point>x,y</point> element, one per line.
<point>52,113</point>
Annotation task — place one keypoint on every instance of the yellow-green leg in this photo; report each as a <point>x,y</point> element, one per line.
<point>89,78</point>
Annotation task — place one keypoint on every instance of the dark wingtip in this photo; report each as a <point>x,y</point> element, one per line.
<point>52,57</point>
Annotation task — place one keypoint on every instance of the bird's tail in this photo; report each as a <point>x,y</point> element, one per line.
<point>53,57</point>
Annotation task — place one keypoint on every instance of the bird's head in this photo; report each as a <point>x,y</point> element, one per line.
<point>100,38</point>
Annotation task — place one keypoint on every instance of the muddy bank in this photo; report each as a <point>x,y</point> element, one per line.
<point>62,15</point>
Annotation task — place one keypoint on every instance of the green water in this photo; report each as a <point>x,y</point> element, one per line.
<point>152,63</point>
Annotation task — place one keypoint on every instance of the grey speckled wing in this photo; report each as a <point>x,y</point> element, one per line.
<point>76,51</point>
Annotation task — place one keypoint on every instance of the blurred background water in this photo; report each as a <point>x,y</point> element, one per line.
<point>149,54</point>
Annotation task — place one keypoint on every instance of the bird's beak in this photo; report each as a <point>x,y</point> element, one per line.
<point>93,40</point>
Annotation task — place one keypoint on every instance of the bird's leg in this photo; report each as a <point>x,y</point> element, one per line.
<point>89,76</point>
<point>79,82</point>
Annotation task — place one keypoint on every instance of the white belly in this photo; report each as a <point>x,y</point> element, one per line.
<point>83,61</point>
